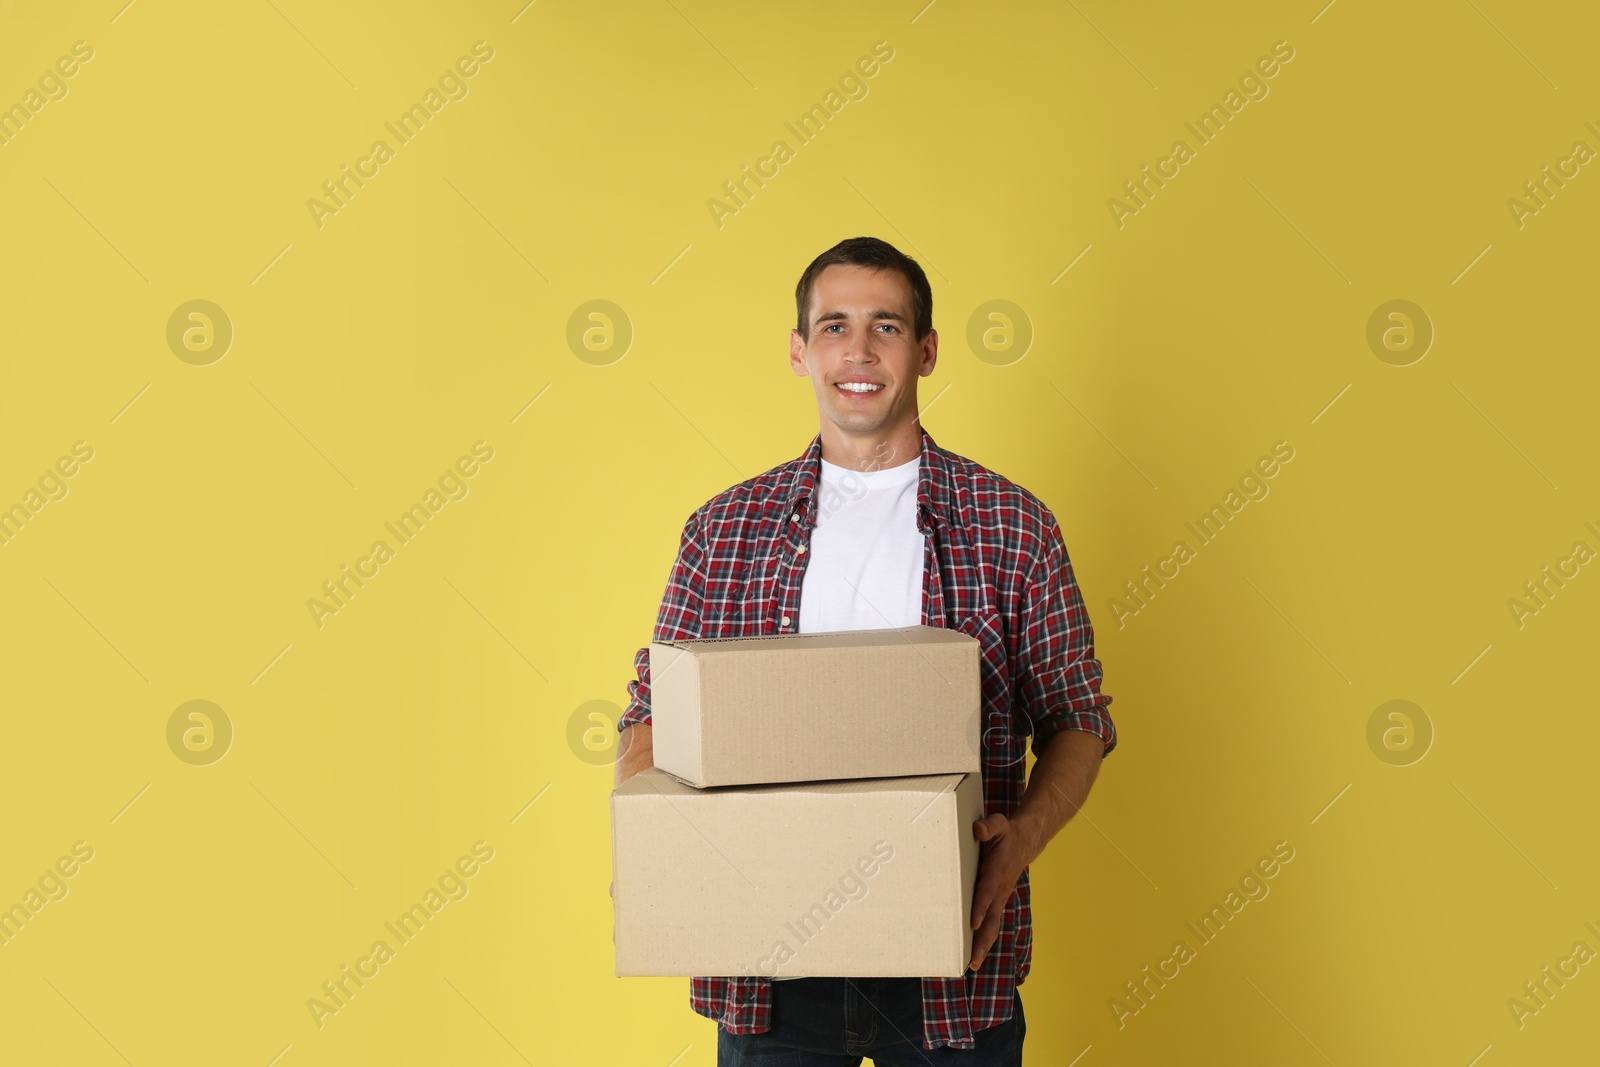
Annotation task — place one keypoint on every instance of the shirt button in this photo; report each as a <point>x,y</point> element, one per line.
<point>785,623</point>
<point>795,517</point>
<point>801,550</point>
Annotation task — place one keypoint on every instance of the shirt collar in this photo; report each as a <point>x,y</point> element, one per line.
<point>935,497</point>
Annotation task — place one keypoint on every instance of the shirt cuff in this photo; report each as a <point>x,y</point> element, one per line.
<point>1094,720</point>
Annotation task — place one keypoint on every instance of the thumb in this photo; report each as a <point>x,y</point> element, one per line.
<point>989,827</point>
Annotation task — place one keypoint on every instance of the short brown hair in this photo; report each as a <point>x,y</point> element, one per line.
<point>878,255</point>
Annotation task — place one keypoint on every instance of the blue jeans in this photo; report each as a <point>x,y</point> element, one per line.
<point>834,1022</point>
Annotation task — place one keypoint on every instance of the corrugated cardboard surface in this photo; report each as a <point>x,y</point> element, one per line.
<point>860,878</point>
<point>807,707</point>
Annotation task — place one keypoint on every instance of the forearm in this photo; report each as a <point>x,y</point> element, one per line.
<point>1058,786</point>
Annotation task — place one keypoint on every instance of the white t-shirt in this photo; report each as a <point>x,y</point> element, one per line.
<point>865,570</point>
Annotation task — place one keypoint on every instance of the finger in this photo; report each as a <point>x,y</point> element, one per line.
<point>990,827</point>
<point>984,939</point>
<point>983,897</point>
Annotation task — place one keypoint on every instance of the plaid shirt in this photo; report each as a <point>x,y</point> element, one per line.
<point>995,569</point>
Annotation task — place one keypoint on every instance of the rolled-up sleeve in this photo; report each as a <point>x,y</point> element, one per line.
<point>677,619</point>
<point>1056,676</point>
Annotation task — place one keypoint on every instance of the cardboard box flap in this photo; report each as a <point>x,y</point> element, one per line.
<point>653,781</point>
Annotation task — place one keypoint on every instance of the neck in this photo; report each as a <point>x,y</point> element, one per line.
<point>889,447</point>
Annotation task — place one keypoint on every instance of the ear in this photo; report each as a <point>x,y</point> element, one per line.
<point>797,354</point>
<point>930,353</point>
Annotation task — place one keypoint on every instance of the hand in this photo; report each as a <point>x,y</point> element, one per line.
<point>635,751</point>
<point>1007,847</point>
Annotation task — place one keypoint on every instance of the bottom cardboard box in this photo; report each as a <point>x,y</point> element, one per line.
<point>864,877</point>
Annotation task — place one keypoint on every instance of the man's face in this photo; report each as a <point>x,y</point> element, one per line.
<point>862,331</point>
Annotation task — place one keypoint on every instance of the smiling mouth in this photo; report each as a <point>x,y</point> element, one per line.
<point>858,388</point>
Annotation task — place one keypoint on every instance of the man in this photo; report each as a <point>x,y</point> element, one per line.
<point>876,526</point>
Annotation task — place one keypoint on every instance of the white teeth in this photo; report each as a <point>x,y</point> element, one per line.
<point>859,387</point>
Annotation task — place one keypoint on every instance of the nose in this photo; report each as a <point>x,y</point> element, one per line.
<point>860,349</point>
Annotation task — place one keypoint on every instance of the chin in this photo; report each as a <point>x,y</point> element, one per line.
<point>857,423</point>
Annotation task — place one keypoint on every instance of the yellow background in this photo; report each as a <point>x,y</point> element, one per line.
<point>368,354</point>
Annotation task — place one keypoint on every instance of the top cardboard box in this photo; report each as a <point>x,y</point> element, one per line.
<point>812,707</point>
